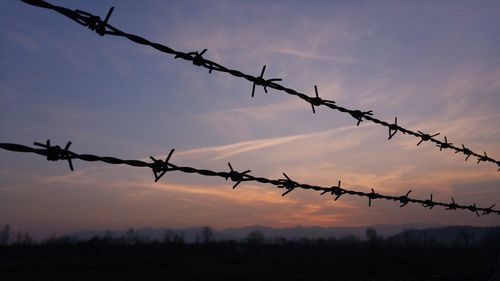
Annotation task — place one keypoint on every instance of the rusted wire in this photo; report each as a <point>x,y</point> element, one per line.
<point>160,168</point>
<point>102,27</point>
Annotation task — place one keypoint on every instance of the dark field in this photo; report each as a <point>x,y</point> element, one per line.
<point>237,261</point>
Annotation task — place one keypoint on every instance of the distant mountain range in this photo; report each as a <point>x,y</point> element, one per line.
<point>290,233</point>
<point>451,234</point>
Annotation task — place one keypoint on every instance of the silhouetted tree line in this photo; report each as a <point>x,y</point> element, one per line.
<point>373,241</point>
<point>8,236</point>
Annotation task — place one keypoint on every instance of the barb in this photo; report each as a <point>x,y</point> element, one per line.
<point>263,82</point>
<point>316,101</point>
<point>427,137</point>
<point>236,176</point>
<point>103,27</point>
<point>453,205</point>
<point>405,199</point>
<point>94,23</point>
<point>359,115</point>
<point>335,190</point>
<point>393,128</point>
<point>372,196</point>
<point>55,153</point>
<point>288,184</point>
<point>429,203</point>
<point>159,168</point>
<point>446,144</point>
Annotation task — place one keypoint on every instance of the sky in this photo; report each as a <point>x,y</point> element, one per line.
<point>433,64</point>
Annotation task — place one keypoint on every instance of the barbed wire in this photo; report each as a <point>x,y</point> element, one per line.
<point>102,27</point>
<point>161,167</point>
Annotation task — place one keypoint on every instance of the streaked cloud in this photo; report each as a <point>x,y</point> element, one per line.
<point>309,55</point>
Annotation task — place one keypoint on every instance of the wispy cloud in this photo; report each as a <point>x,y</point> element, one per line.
<point>266,112</point>
<point>315,56</point>
<point>226,151</point>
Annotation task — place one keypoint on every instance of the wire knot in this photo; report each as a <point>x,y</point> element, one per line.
<point>236,176</point>
<point>335,190</point>
<point>94,23</point>
<point>446,144</point>
<point>393,128</point>
<point>488,210</point>
<point>474,209</point>
<point>316,101</point>
<point>483,157</point>
<point>263,82</point>
<point>55,153</point>
<point>197,58</point>
<point>465,151</point>
<point>429,203</point>
<point>452,205</point>
<point>372,196</point>
<point>404,200</point>
<point>359,115</point>
<point>288,184</point>
<point>160,167</point>
<point>425,137</point>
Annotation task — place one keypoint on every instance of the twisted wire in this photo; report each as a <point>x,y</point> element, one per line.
<point>161,167</point>
<point>102,27</point>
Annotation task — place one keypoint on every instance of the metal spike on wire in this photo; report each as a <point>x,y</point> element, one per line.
<point>288,184</point>
<point>335,190</point>
<point>429,203</point>
<point>236,176</point>
<point>316,101</point>
<point>427,137</point>
<point>94,22</point>
<point>404,200</point>
<point>263,82</point>
<point>393,128</point>
<point>446,144</point>
<point>466,151</point>
<point>160,167</point>
<point>104,28</point>
<point>359,115</point>
<point>55,153</point>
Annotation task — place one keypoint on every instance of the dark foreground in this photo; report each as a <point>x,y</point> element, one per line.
<point>236,261</point>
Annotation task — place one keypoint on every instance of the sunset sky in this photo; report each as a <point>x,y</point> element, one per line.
<point>433,64</point>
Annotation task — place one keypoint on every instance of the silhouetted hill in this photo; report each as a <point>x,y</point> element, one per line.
<point>192,234</point>
<point>316,232</point>
<point>460,235</point>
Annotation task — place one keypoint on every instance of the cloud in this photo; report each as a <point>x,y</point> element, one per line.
<point>226,151</point>
<point>477,187</point>
<point>310,55</point>
<point>264,112</point>
<point>305,214</point>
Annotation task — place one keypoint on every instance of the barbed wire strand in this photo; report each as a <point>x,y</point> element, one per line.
<point>161,167</point>
<point>102,27</point>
